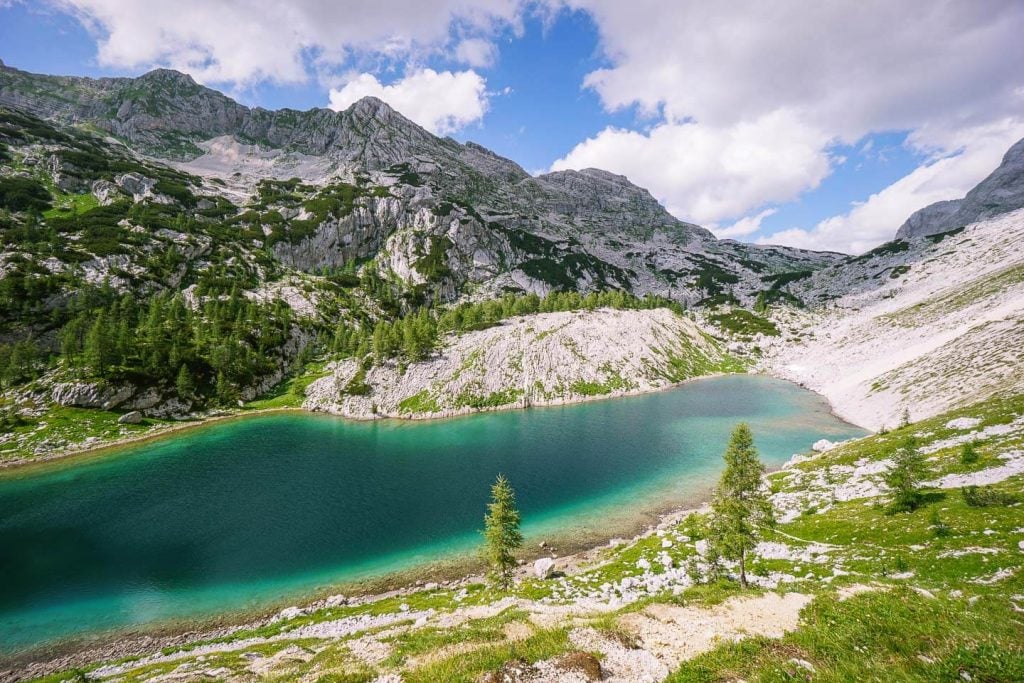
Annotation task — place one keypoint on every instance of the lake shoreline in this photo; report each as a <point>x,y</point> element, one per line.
<point>448,574</point>
<point>168,430</point>
<point>574,538</point>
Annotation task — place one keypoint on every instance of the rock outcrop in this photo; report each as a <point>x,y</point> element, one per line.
<point>543,359</point>
<point>999,193</point>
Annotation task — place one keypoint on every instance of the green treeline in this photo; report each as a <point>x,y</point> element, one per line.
<point>211,351</point>
<point>416,335</point>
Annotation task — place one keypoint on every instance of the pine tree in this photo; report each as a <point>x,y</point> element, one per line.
<point>184,384</point>
<point>740,504</point>
<point>904,478</point>
<point>97,350</point>
<point>501,532</point>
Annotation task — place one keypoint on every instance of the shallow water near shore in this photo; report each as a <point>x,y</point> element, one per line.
<point>247,513</point>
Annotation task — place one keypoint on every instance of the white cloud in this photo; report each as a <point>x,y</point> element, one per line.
<point>476,52</point>
<point>253,40</point>
<point>744,226</point>
<point>441,102</point>
<point>834,72</point>
<point>875,220</point>
<point>707,173</point>
<point>746,98</point>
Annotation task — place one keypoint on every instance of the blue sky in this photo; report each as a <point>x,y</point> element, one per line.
<point>771,140</point>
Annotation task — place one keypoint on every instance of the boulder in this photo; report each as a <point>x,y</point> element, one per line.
<point>132,418</point>
<point>136,184</point>
<point>822,445</point>
<point>106,192</point>
<point>544,568</point>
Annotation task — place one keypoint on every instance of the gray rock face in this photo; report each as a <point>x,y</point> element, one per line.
<point>91,395</point>
<point>501,228</point>
<point>999,193</point>
<point>132,418</point>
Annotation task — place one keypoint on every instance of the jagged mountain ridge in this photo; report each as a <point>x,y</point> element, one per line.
<point>577,229</point>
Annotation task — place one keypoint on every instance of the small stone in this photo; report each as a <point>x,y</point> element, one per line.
<point>802,663</point>
<point>666,543</point>
<point>404,607</point>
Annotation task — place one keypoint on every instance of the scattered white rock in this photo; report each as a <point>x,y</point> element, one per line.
<point>963,423</point>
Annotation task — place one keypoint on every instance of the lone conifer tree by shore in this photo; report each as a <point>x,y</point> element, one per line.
<point>740,505</point>
<point>501,532</point>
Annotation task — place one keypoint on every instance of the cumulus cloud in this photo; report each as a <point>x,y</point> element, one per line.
<point>743,100</point>
<point>709,173</point>
<point>476,52</point>
<point>834,72</point>
<point>253,40</point>
<point>875,220</point>
<point>441,102</point>
<point>744,226</point>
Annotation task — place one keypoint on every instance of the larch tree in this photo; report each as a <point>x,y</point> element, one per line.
<point>501,532</point>
<point>740,505</point>
<point>905,475</point>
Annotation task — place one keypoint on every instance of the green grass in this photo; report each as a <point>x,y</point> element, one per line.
<point>743,323</point>
<point>895,635</point>
<point>495,399</point>
<point>71,204</point>
<point>422,402</point>
<point>292,392</point>
<point>468,667</point>
<point>72,426</point>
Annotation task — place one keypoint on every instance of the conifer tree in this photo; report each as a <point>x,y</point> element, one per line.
<point>501,532</point>
<point>184,384</point>
<point>740,504</point>
<point>904,478</point>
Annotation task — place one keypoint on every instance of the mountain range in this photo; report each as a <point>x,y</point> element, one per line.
<point>339,229</point>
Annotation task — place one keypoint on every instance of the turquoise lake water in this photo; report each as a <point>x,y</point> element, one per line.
<point>245,514</point>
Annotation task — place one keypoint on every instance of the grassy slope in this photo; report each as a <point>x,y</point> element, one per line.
<point>941,587</point>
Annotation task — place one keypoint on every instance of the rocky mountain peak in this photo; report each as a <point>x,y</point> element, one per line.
<point>166,76</point>
<point>1001,192</point>
<point>371,107</point>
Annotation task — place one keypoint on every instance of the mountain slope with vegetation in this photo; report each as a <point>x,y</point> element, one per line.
<point>170,252</point>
